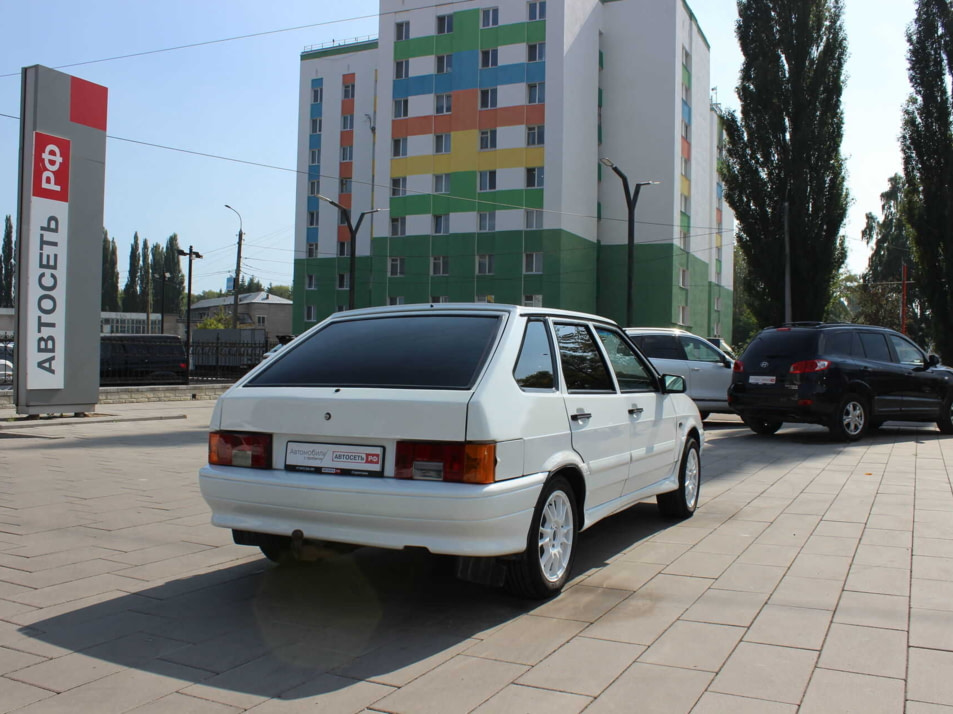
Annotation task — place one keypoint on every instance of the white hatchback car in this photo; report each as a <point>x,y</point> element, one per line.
<point>491,432</point>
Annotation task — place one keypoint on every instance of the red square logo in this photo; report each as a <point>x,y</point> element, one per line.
<point>87,103</point>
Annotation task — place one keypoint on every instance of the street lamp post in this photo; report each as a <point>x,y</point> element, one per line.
<point>352,230</point>
<point>631,201</point>
<point>192,255</point>
<point>238,266</point>
<point>165,276</point>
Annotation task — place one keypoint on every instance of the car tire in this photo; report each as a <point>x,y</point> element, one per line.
<point>543,568</point>
<point>850,419</point>
<point>762,427</point>
<point>682,502</point>
<point>277,549</point>
<point>945,422</point>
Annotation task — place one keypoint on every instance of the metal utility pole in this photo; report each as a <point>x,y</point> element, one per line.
<point>238,267</point>
<point>165,277</point>
<point>787,265</point>
<point>631,201</point>
<point>352,231</point>
<point>192,255</point>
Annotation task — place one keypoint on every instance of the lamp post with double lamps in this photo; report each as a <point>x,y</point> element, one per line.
<point>631,201</point>
<point>192,255</point>
<point>238,266</point>
<point>352,230</point>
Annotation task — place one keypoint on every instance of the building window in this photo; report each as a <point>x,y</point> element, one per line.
<point>316,125</point>
<point>489,58</point>
<point>312,250</point>
<point>398,227</point>
<point>536,52</point>
<point>534,219</point>
<point>343,281</point>
<point>401,69</point>
<point>314,187</point>
<point>396,268</point>
<point>344,249</point>
<point>398,186</point>
<point>686,167</point>
<point>687,94</point>
<point>439,298</point>
<point>441,183</point>
<point>684,241</point>
<point>440,265</point>
<point>488,98</point>
<point>535,135</point>
<point>536,93</point>
<point>686,204</point>
<point>444,24</point>
<point>401,108</point>
<point>260,320</point>
<point>683,278</point>
<point>310,313</point>
<point>483,298</point>
<point>347,153</point>
<point>718,304</point>
<point>490,17</point>
<point>348,91</point>
<point>486,221</point>
<point>537,10</point>
<point>317,95</point>
<point>402,31</point>
<point>347,122</point>
<point>310,282</point>
<point>340,308</point>
<point>345,186</point>
<point>312,219</point>
<point>532,301</point>
<point>441,144</point>
<point>444,64</point>
<point>400,147</point>
<point>395,300</point>
<point>686,131</point>
<point>315,157</point>
<point>683,314</point>
<point>441,224</point>
<point>533,263</point>
<point>487,139</point>
<point>487,180</point>
<point>534,177</point>
<point>686,58</point>
<point>485,264</point>
<point>443,103</point>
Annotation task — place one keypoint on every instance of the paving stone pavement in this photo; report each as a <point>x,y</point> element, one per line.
<point>815,577</point>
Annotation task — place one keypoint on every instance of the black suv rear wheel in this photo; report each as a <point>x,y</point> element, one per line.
<point>850,420</point>
<point>762,427</point>
<point>945,422</point>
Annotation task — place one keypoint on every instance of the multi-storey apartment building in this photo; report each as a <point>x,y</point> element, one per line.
<point>475,129</point>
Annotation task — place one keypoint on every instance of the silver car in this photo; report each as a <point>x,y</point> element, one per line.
<point>705,368</point>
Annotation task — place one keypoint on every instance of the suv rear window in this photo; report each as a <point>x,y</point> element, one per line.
<point>410,351</point>
<point>659,346</point>
<point>788,344</point>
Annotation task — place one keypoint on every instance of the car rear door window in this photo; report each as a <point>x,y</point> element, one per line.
<point>632,375</point>
<point>661,347</point>
<point>842,344</point>
<point>875,346</point>
<point>394,351</point>
<point>697,350</point>
<point>583,367</point>
<point>535,368</point>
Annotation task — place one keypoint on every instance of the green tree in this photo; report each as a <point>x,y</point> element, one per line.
<point>219,320</point>
<point>7,268</point>
<point>130,293</point>
<point>157,262</point>
<point>175,288</point>
<point>927,147</point>
<point>249,284</point>
<point>113,302</point>
<point>783,154</point>
<point>744,325</point>
<point>282,291</point>
<point>145,278</point>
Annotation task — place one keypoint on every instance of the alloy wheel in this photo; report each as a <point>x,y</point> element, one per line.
<point>556,529</point>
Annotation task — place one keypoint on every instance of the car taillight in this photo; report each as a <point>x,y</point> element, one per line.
<point>810,365</point>
<point>183,365</point>
<point>738,366</point>
<point>459,462</point>
<point>235,448</point>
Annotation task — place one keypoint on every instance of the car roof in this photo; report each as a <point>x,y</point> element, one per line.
<point>477,308</point>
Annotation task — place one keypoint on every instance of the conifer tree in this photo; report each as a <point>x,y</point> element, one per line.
<point>7,268</point>
<point>130,293</point>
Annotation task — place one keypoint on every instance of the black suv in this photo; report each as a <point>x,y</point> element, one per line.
<point>142,359</point>
<point>849,378</point>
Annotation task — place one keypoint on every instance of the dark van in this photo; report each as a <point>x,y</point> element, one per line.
<point>142,359</point>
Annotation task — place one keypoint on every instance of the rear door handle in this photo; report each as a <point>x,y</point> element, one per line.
<point>636,410</point>
<point>579,416</point>
<point>696,369</point>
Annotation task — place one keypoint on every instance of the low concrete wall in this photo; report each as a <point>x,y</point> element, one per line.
<point>158,393</point>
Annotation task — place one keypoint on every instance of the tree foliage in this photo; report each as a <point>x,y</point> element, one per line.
<point>927,147</point>
<point>785,149</point>
<point>7,268</point>
<point>130,293</point>
<point>110,301</point>
<point>145,278</point>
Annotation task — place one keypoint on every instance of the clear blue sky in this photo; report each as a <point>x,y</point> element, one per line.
<point>239,99</point>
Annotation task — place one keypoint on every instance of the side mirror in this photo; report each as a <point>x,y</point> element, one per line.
<point>933,361</point>
<point>673,384</point>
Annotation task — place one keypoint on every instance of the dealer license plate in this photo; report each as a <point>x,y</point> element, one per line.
<point>343,459</point>
<point>762,380</point>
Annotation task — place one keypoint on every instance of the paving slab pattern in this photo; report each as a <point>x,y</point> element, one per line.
<point>815,577</point>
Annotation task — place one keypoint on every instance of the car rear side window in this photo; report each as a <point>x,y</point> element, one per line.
<point>842,344</point>
<point>583,366</point>
<point>535,368</point>
<point>405,351</point>
<point>631,374</point>
<point>875,346</point>
<point>698,351</point>
<point>661,347</point>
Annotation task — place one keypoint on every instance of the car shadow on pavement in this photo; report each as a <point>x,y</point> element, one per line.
<point>256,630</point>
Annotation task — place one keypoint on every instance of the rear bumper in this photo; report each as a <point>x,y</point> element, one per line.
<point>785,404</point>
<point>446,518</point>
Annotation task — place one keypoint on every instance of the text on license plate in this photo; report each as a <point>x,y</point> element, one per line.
<point>334,458</point>
<point>762,380</point>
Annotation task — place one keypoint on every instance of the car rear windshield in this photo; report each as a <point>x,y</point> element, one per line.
<point>776,344</point>
<point>408,351</point>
